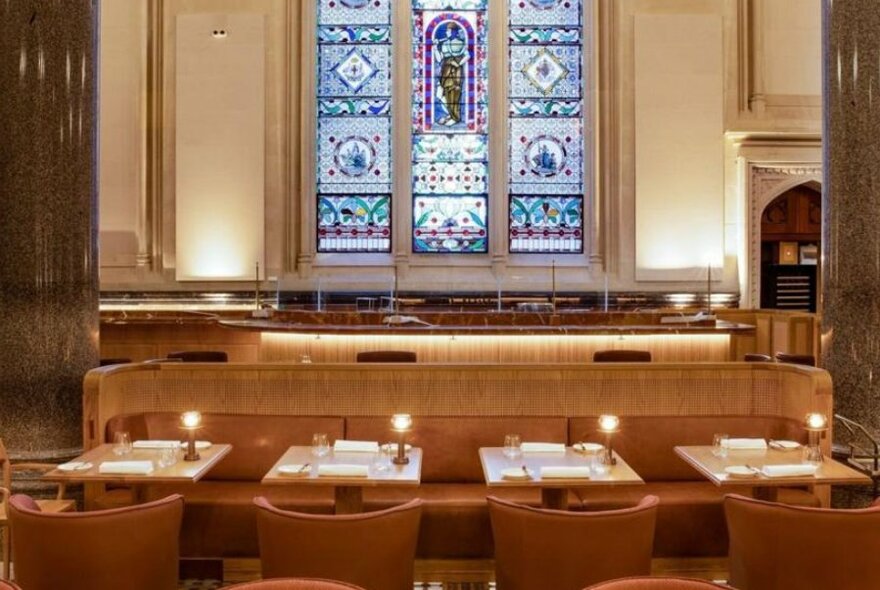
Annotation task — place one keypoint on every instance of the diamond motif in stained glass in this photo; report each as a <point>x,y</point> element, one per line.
<point>355,70</point>
<point>545,71</point>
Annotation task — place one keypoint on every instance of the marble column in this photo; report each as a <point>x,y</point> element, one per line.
<point>48,222</point>
<point>851,207</point>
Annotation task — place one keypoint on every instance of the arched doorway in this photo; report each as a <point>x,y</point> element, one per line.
<point>791,228</point>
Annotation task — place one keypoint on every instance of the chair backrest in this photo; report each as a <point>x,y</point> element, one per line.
<point>7,585</point>
<point>375,550</point>
<point>754,357</point>
<point>622,356</point>
<point>536,548</point>
<point>295,584</point>
<point>656,583</point>
<point>779,547</point>
<point>135,548</point>
<point>114,361</point>
<point>387,356</point>
<point>796,359</point>
<point>200,356</point>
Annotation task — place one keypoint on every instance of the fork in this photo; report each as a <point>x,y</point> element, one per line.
<point>304,467</point>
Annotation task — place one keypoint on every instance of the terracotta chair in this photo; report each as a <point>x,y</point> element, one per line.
<point>58,504</point>
<point>135,548</point>
<point>293,584</point>
<point>652,583</point>
<point>374,550</point>
<point>7,585</point>
<point>780,547</point>
<point>622,356</point>
<point>200,356</point>
<point>754,357</point>
<point>387,356</point>
<point>537,548</point>
<point>796,359</point>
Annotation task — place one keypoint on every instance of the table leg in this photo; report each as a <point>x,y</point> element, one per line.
<point>554,498</point>
<point>766,493</point>
<point>349,500</point>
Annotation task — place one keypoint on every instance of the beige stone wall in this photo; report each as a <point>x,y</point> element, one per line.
<point>691,98</point>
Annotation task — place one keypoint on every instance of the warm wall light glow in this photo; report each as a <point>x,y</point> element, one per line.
<point>191,419</point>
<point>609,423</point>
<point>816,421</point>
<point>401,422</point>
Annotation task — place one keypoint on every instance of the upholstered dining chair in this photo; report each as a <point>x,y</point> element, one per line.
<point>387,356</point>
<point>200,356</point>
<point>7,585</point>
<point>622,356</point>
<point>780,547</point>
<point>54,505</point>
<point>135,548</point>
<point>293,584</point>
<point>756,357</point>
<point>657,583</point>
<point>538,548</point>
<point>375,550</point>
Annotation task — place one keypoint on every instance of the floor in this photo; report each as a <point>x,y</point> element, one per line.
<point>466,575</point>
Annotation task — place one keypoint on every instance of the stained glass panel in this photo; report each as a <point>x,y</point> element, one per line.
<point>546,95</point>
<point>353,146</point>
<point>450,126</point>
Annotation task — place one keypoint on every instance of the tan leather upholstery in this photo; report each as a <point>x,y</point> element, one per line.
<point>622,356</point>
<point>387,356</point>
<point>374,550</point>
<point>200,356</point>
<point>656,584</point>
<point>777,547</point>
<point>295,584</point>
<point>7,585</point>
<point>134,548</point>
<point>537,548</point>
<point>796,359</point>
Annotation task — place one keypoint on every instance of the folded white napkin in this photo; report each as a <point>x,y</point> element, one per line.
<point>785,445</point>
<point>356,446</point>
<point>542,447</point>
<point>745,444</point>
<point>563,472</point>
<point>340,470</point>
<point>155,444</point>
<point>794,470</point>
<point>200,445</point>
<point>126,467</point>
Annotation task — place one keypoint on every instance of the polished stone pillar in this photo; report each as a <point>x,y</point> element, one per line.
<point>48,222</point>
<point>851,207</point>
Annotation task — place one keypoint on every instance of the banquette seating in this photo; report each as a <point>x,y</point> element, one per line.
<point>263,409</point>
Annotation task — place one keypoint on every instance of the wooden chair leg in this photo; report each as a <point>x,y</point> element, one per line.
<point>7,553</point>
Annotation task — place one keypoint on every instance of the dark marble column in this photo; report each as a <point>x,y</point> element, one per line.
<point>48,222</point>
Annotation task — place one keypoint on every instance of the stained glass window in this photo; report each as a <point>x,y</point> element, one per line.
<point>354,125</point>
<point>450,126</point>
<point>546,109</point>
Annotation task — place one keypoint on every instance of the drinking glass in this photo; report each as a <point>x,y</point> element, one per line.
<point>320,444</point>
<point>382,460</point>
<point>719,445</point>
<point>121,443</point>
<point>168,455</point>
<point>512,446</point>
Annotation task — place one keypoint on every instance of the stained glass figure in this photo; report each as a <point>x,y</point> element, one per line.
<point>354,126</point>
<point>450,135</point>
<point>546,95</point>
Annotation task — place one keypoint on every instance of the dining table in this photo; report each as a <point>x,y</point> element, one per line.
<point>301,466</point>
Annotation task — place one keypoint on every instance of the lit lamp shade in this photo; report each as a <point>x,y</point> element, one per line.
<point>609,423</point>
<point>191,419</point>
<point>401,422</point>
<point>816,422</point>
